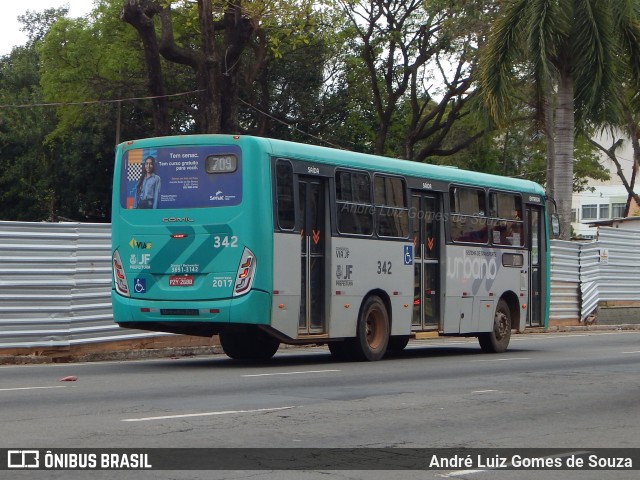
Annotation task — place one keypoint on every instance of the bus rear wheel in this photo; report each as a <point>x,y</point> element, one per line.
<point>372,337</point>
<point>497,340</point>
<point>253,345</point>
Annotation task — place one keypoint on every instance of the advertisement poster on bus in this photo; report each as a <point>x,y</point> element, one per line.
<point>181,177</point>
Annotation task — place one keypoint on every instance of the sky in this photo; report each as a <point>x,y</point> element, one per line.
<point>10,34</point>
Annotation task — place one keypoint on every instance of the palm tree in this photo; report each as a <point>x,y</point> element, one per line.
<point>576,54</point>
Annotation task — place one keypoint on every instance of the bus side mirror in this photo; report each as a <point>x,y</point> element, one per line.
<point>555,224</point>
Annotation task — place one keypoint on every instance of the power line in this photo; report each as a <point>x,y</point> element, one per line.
<point>292,127</point>
<point>132,99</point>
<point>95,102</point>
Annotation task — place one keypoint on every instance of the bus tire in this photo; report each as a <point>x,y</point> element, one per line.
<point>397,343</point>
<point>497,340</point>
<point>372,336</point>
<point>254,345</point>
<point>341,350</point>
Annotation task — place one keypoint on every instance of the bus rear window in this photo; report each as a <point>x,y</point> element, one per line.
<point>181,177</point>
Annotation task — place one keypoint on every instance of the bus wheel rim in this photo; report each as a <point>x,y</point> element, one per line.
<point>501,324</point>
<point>374,329</point>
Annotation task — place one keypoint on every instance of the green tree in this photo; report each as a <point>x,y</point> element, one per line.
<point>26,191</point>
<point>518,150</point>
<point>574,52</point>
<point>215,46</point>
<point>401,52</point>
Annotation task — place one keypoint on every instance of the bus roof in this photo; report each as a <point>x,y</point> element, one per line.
<point>346,158</point>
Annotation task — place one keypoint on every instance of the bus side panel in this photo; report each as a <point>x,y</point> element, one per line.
<point>286,282</point>
<point>356,268</point>
<point>475,280</point>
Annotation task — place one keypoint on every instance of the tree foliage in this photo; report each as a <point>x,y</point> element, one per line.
<point>575,54</point>
<point>401,52</point>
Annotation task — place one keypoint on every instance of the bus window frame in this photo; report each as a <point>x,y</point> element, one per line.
<point>377,207</point>
<point>276,216</point>
<point>450,215</point>
<point>492,220</point>
<point>336,203</point>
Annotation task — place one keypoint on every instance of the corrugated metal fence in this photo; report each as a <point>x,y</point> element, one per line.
<point>55,281</point>
<point>585,275</point>
<point>565,281</point>
<point>609,268</point>
<point>55,285</point>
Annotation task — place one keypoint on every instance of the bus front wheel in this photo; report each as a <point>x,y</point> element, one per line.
<point>253,345</point>
<point>372,337</point>
<point>497,340</point>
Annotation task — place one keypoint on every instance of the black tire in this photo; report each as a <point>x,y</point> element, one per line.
<point>497,341</point>
<point>372,336</point>
<point>397,343</point>
<point>341,350</point>
<point>254,345</point>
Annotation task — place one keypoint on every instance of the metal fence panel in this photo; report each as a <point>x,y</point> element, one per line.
<point>55,285</point>
<point>609,268</point>
<point>565,281</point>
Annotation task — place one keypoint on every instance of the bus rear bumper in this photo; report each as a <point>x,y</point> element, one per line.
<point>202,318</point>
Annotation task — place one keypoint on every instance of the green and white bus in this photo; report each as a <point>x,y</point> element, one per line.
<point>263,242</point>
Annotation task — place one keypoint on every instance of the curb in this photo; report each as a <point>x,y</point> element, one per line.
<point>115,356</point>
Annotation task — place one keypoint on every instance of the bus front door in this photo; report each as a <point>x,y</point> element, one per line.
<point>426,241</point>
<point>536,246</point>
<point>312,212</point>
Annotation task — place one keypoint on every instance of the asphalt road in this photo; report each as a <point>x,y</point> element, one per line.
<point>571,391</point>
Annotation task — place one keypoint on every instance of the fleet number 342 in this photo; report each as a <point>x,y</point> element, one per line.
<point>225,241</point>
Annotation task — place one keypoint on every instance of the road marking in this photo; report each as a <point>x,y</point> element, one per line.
<point>503,359</point>
<point>205,414</point>
<point>541,336</point>
<point>459,473</point>
<point>288,373</point>
<point>484,391</point>
<point>30,388</point>
<point>637,351</point>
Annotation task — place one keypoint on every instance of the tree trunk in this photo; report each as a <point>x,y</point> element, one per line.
<point>139,14</point>
<point>549,131</point>
<point>237,32</point>
<point>563,165</point>
<point>208,78</point>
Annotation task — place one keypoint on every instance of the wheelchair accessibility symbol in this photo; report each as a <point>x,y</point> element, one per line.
<point>408,254</point>
<point>140,285</point>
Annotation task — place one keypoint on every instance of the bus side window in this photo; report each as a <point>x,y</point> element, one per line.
<point>506,221</point>
<point>286,218</point>
<point>391,207</point>
<point>468,221</point>
<point>353,203</point>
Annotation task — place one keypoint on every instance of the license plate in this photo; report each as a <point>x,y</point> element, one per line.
<point>180,280</point>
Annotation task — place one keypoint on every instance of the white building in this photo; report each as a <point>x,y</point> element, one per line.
<point>604,203</point>
<point>604,200</point>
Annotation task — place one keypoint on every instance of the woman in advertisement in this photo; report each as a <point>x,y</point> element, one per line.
<point>148,188</point>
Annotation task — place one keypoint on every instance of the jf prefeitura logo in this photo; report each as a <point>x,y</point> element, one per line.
<point>88,459</point>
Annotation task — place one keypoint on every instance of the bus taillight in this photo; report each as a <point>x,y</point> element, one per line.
<point>246,270</point>
<point>118,274</point>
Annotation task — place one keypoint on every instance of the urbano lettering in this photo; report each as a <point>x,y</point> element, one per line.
<point>472,268</point>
